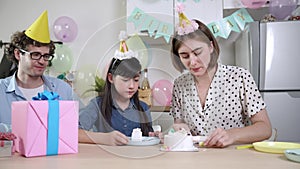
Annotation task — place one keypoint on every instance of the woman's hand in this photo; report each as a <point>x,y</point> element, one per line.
<point>260,129</point>
<point>219,138</point>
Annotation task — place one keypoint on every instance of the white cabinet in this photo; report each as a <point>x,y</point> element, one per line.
<point>230,4</point>
<point>206,11</point>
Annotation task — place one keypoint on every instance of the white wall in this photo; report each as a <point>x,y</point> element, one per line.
<point>93,17</point>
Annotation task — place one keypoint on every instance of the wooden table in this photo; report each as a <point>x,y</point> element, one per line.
<point>122,157</point>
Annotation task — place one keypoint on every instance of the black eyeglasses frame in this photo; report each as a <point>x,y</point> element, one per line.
<point>31,54</point>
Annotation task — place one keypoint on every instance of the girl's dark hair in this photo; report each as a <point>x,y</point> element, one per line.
<point>19,40</point>
<point>203,34</point>
<point>126,68</point>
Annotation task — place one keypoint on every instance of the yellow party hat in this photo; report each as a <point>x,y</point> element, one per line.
<point>39,30</point>
<point>185,25</point>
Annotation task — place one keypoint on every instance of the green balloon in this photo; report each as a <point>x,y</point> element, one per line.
<point>63,60</point>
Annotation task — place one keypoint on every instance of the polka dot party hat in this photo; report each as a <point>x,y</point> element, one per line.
<point>185,26</point>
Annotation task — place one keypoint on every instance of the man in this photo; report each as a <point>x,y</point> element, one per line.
<point>31,51</point>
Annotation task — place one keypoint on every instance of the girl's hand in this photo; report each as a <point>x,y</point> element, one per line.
<point>115,138</point>
<point>157,134</point>
<point>180,126</point>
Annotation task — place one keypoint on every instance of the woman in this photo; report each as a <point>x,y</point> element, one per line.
<point>118,111</point>
<point>214,100</point>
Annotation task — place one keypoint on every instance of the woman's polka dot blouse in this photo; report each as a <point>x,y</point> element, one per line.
<point>232,99</point>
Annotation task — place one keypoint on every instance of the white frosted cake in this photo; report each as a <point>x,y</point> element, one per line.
<point>178,141</point>
<point>136,135</point>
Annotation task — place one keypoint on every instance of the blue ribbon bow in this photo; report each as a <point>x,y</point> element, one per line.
<point>46,95</point>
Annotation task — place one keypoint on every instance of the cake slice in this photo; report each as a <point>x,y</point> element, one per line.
<point>136,134</point>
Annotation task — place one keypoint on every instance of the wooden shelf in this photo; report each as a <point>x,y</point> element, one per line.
<point>160,108</point>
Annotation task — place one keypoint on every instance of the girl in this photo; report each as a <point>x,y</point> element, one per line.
<point>118,111</point>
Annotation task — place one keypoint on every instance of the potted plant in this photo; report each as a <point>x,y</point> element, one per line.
<point>98,86</point>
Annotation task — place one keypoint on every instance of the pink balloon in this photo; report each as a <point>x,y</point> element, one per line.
<point>254,4</point>
<point>280,9</point>
<point>65,29</point>
<point>162,92</point>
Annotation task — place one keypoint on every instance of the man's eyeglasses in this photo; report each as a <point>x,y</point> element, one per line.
<point>38,55</point>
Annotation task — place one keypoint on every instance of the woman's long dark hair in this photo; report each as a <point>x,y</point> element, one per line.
<point>126,68</point>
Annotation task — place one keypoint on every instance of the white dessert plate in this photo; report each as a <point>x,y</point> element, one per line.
<point>146,141</point>
<point>293,155</point>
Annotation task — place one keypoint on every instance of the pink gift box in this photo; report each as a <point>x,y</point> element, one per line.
<point>30,125</point>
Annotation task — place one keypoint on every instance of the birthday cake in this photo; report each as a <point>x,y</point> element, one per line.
<point>178,141</point>
<point>136,135</point>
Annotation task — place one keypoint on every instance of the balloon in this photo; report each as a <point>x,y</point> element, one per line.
<point>63,60</point>
<point>280,9</point>
<point>162,92</point>
<point>136,44</point>
<point>65,29</point>
<point>254,4</point>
